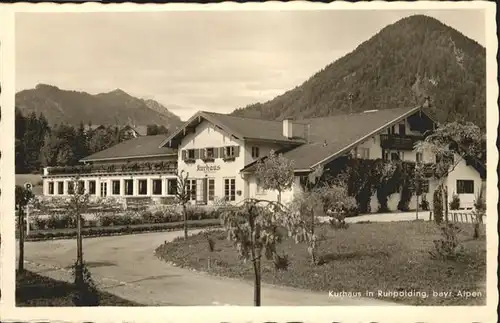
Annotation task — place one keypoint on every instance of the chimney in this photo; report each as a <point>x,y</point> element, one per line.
<point>287,128</point>
<point>427,102</point>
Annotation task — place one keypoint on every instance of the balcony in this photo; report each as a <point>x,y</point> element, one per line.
<point>399,142</point>
<point>114,169</point>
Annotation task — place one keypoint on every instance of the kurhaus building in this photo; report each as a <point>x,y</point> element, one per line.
<point>219,153</point>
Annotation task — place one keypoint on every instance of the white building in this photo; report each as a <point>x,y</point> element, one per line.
<point>219,152</point>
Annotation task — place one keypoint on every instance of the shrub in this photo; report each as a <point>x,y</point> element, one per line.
<point>211,244</point>
<point>448,247</point>
<point>281,263</point>
<point>455,202</point>
<point>147,217</point>
<point>337,221</point>
<point>405,198</point>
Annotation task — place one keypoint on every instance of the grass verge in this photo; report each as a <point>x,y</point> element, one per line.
<point>35,290</point>
<point>372,257</point>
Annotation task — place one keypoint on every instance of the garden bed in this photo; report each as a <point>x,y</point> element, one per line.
<point>70,233</point>
<point>363,258</point>
<point>35,290</point>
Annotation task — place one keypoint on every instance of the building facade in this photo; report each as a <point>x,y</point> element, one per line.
<point>218,153</point>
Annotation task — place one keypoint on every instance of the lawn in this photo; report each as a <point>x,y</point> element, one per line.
<point>36,290</point>
<point>371,257</point>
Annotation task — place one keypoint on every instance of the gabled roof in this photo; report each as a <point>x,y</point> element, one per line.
<point>330,137</point>
<point>241,128</point>
<point>144,146</point>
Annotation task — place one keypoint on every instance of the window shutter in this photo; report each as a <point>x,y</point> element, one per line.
<point>196,153</point>
<point>222,152</point>
<point>203,153</point>
<point>236,151</point>
<point>216,152</point>
<point>184,154</point>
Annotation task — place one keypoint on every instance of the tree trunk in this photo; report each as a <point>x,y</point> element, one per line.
<point>256,289</point>
<point>79,251</point>
<point>20,266</point>
<point>184,210</point>
<point>279,197</point>
<point>313,244</point>
<point>445,199</point>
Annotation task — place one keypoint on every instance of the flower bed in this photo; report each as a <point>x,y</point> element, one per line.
<point>105,218</point>
<point>69,233</point>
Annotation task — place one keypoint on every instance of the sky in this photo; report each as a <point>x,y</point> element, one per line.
<point>200,60</point>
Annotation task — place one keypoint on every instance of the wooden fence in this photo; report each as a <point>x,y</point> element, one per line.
<point>461,217</point>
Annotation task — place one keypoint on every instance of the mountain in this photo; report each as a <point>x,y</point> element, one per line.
<point>115,107</point>
<point>415,57</point>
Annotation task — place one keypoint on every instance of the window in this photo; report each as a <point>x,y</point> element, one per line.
<point>211,189</point>
<point>229,151</point>
<point>60,188</point>
<point>51,188</point>
<point>209,153</point>
<point>143,186</point>
<point>402,129</point>
<point>81,187</point>
<point>156,186</point>
<point>385,154</point>
<point>363,153</point>
<point>190,154</point>
<point>71,187</point>
<point>230,189</point>
<point>392,130</point>
<point>395,156</point>
<point>419,157</point>
<point>115,187</point>
<point>172,186</point>
<point>92,188</point>
<point>191,188</point>
<point>129,187</point>
<point>465,186</point>
<point>104,189</point>
<point>255,152</point>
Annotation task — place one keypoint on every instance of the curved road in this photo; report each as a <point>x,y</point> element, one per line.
<point>126,266</point>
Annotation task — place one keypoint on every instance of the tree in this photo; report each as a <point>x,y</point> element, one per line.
<point>275,173</point>
<point>154,129</point>
<point>78,204</point>
<point>253,227</point>
<point>183,196</point>
<point>451,143</point>
<point>318,196</point>
<point>23,197</point>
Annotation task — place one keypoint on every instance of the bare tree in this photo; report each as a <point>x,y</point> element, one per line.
<point>253,227</point>
<point>183,197</point>
<point>23,197</point>
<point>77,205</point>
